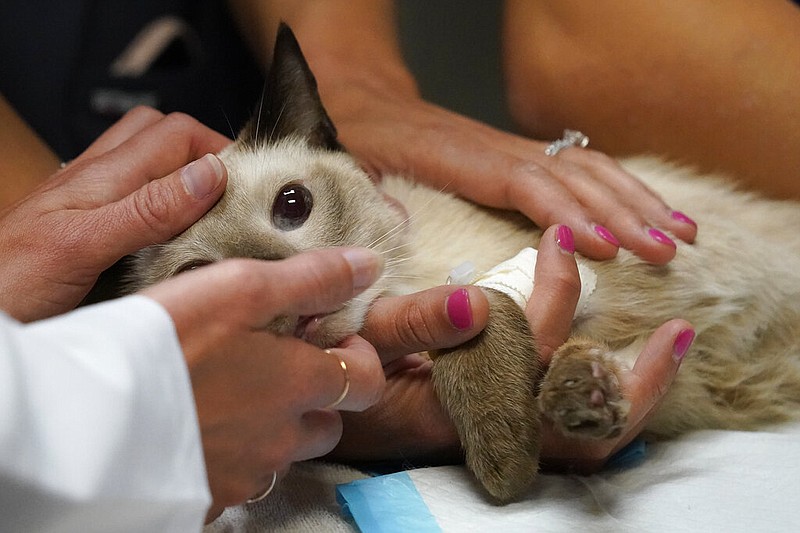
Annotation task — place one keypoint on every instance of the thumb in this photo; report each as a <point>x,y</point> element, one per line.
<point>162,208</point>
<point>437,318</point>
<point>314,282</point>
<point>250,293</point>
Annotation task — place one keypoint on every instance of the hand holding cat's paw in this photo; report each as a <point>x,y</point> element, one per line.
<point>644,387</point>
<point>441,317</point>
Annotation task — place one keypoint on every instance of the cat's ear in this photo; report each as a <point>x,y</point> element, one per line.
<point>290,105</point>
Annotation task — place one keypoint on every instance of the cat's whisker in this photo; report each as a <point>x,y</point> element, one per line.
<point>388,234</point>
<point>393,230</point>
<point>413,215</point>
<point>397,263</point>
<point>392,265</point>
<point>401,276</point>
<point>392,268</point>
<point>394,249</point>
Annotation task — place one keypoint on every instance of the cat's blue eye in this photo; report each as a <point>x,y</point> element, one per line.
<point>292,207</point>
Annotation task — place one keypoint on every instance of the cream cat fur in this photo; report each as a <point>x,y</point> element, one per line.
<point>738,284</point>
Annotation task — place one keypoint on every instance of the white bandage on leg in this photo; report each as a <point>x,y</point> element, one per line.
<point>514,277</point>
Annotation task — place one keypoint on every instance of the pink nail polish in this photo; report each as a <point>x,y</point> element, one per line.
<point>458,310</point>
<point>607,235</point>
<point>565,239</point>
<point>659,236</point>
<point>682,344</point>
<point>681,217</point>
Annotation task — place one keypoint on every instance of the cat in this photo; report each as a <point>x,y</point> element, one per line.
<point>292,187</point>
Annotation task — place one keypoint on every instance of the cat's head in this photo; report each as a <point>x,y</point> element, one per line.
<point>291,188</point>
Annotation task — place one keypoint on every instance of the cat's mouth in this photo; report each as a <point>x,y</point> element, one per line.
<point>306,325</point>
<point>309,329</point>
<point>319,329</point>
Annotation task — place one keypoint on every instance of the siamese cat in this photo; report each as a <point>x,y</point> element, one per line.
<point>292,187</point>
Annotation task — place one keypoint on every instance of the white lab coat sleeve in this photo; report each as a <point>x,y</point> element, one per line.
<point>98,428</point>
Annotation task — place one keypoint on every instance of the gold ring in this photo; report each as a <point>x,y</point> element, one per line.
<point>346,388</point>
<point>266,492</point>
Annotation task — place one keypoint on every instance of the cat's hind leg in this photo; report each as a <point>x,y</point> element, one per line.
<point>581,392</point>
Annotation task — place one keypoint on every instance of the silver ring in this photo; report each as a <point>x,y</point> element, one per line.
<point>266,492</point>
<point>570,138</point>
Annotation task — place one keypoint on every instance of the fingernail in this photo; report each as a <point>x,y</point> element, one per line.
<point>607,235</point>
<point>658,236</point>
<point>682,343</point>
<point>681,217</point>
<point>367,267</point>
<point>458,310</point>
<point>565,240</point>
<point>201,177</point>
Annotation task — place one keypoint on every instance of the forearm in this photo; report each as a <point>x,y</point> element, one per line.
<point>341,39</point>
<point>703,82</point>
<point>25,160</point>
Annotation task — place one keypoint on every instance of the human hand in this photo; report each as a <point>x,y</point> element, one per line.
<point>127,190</point>
<point>261,398</point>
<point>644,386</point>
<point>408,423</point>
<point>550,311</point>
<point>391,129</point>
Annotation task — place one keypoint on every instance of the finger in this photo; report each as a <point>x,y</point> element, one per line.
<point>644,386</point>
<point>169,143</point>
<point>320,432</point>
<point>129,125</point>
<point>555,292</point>
<point>160,209</point>
<point>248,294</point>
<point>437,318</point>
<point>649,203</point>
<point>407,424</point>
<point>584,170</point>
<point>268,482</point>
<point>623,215</point>
<point>361,380</point>
<point>348,377</point>
<point>311,283</point>
<point>656,367</point>
<point>652,375</point>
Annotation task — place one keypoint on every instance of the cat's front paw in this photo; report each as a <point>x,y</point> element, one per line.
<point>581,393</point>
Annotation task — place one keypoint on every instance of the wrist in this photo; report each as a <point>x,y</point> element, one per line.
<point>341,76</point>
